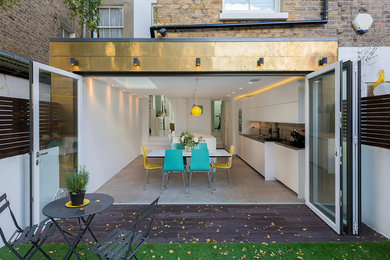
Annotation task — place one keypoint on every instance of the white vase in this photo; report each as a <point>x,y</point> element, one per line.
<point>188,149</point>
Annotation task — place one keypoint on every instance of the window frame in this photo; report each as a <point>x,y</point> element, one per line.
<point>276,14</point>
<point>276,10</point>
<point>109,7</point>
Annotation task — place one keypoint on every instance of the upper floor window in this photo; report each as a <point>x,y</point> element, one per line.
<point>252,10</point>
<point>111,22</point>
<point>251,5</point>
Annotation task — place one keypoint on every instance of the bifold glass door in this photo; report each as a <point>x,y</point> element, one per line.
<point>330,159</point>
<point>55,129</point>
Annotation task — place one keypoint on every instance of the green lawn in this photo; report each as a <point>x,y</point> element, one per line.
<point>339,250</point>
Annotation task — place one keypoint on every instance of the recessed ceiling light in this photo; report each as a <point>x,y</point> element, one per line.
<point>233,92</point>
<point>250,82</point>
<point>240,88</point>
<point>228,95</point>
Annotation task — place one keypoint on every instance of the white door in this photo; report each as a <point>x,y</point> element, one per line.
<point>332,153</point>
<point>55,102</point>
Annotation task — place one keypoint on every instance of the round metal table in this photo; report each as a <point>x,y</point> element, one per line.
<point>57,210</point>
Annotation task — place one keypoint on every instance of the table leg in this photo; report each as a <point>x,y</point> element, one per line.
<point>83,229</point>
<point>66,240</point>
<point>90,231</point>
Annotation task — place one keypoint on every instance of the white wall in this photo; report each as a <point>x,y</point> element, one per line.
<point>375,188</point>
<point>142,18</point>
<point>375,161</point>
<point>111,131</point>
<point>373,60</point>
<point>11,86</point>
<point>14,180</point>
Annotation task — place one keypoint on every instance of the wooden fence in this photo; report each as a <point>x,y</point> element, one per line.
<point>15,124</point>
<point>375,121</point>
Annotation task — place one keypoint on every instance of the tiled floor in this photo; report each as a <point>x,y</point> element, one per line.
<point>248,187</point>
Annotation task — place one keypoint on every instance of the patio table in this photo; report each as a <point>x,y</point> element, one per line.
<point>57,210</point>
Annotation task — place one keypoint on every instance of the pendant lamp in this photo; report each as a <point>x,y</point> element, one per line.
<point>196,110</point>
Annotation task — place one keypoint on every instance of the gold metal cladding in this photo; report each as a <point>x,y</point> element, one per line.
<point>181,56</point>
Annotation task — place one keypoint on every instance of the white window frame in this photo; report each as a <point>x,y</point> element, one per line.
<point>96,35</point>
<point>253,14</point>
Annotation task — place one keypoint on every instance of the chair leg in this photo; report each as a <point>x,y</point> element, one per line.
<point>189,183</point>
<point>163,181</point>
<point>184,182</point>
<point>210,177</point>
<point>230,180</point>
<point>146,179</point>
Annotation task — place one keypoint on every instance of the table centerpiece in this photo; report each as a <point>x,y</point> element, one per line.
<point>189,141</point>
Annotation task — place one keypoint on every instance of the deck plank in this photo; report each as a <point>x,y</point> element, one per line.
<point>224,223</point>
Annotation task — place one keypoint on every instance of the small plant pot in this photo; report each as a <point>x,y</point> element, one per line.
<point>77,199</point>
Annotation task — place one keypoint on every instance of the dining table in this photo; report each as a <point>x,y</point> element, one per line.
<point>218,153</point>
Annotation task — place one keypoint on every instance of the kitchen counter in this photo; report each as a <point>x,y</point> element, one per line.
<point>284,143</point>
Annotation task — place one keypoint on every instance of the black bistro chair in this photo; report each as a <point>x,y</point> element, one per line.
<point>35,235</point>
<point>122,243</point>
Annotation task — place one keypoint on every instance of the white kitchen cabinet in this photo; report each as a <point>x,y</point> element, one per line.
<point>254,154</point>
<point>289,168</point>
<point>283,104</point>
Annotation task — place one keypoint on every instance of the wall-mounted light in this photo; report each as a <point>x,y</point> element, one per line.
<point>136,62</point>
<point>74,62</point>
<point>323,61</point>
<point>260,62</point>
<point>197,62</point>
<point>163,32</point>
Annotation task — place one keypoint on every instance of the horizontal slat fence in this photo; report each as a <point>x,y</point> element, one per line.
<point>375,121</point>
<point>15,124</point>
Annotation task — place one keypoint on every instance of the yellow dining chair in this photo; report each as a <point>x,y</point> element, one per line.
<point>149,167</point>
<point>227,165</point>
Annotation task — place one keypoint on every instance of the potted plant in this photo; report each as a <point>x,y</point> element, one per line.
<point>76,183</point>
<point>188,140</point>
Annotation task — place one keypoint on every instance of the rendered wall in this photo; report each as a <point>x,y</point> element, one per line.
<point>111,130</point>
<point>375,161</point>
<point>14,179</point>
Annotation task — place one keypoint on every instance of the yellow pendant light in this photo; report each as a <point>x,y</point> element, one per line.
<point>196,111</point>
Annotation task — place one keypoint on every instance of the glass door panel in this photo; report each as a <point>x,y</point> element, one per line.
<point>322,143</point>
<point>55,132</point>
<point>322,136</point>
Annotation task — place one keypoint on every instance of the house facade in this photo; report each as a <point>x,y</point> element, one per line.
<point>286,39</point>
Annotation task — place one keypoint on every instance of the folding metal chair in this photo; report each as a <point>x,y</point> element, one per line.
<point>124,244</point>
<point>35,235</point>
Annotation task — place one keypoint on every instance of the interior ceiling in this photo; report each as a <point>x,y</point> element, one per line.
<point>210,87</point>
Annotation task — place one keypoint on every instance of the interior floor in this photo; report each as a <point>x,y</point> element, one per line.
<point>249,187</point>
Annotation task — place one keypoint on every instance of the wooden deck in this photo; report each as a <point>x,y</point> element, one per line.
<point>224,223</point>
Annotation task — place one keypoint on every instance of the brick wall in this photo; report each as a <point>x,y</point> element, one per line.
<point>341,14</point>
<point>27,29</point>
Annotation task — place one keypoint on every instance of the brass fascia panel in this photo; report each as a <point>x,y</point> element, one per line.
<point>180,56</point>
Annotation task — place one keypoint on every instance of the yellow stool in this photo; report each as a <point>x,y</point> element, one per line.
<point>149,167</point>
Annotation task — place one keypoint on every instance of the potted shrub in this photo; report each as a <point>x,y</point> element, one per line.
<point>76,183</point>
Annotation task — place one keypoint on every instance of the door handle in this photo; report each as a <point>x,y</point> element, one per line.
<point>39,154</point>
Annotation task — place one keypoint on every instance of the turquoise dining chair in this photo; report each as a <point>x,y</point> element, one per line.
<point>173,162</point>
<point>201,146</point>
<point>175,146</point>
<point>200,162</point>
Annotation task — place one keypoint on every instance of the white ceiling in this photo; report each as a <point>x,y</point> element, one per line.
<point>210,87</point>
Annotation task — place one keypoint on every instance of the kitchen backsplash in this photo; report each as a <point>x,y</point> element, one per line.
<point>262,128</point>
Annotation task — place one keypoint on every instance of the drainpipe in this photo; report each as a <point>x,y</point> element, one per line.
<point>164,28</point>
